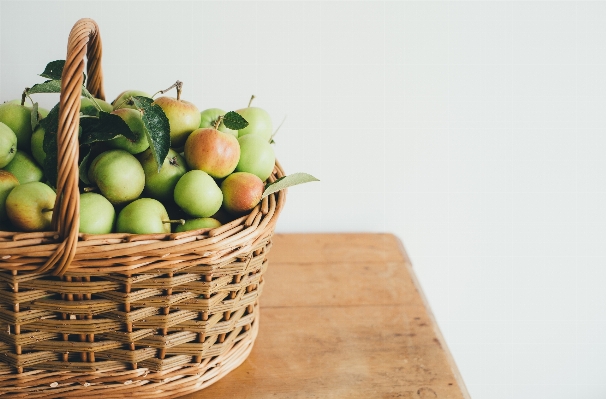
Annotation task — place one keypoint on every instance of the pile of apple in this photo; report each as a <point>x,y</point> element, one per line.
<point>211,174</point>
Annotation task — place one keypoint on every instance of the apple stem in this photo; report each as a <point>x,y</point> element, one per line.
<point>24,95</point>
<point>179,221</point>
<point>89,189</point>
<point>218,122</point>
<point>251,99</point>
<point>178,84</point>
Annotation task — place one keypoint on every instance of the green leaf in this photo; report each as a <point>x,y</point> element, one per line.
<point>83,168</point>
<point>157,128</point>
<point>53,70</point>
<point>287,181</point>
<point>34,116</point>
<point>49,86</point>
<point>51,126</point>
<point>106,127</point>
<point>233,120</point>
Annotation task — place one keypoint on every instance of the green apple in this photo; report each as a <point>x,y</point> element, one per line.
<point>88,108</point>
<point>161,185</point>
<point>42,112</point>
<point>143,216</point>
<point>118,175</point>
<point>198,194</point>
<point>183,117</point>
<point>259,122</point>
<point>25,168</point>
<point>198,223</point>
<point>19,119</point>
<point>37,145</point>
<point>8,145</point>
<point>97,214</point>
<point>7,182</point>
<point>242,191</point>
<point>212,151</point>
<point>132,117</point>
<point>256,156</point>
<point>209,117</point>
<point>123,99</point>
<point>29,206</point>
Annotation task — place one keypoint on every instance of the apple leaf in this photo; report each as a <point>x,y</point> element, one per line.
<point>83,168</point>
<point>157,127</point>
<point>105,127</point>
<point>234,121</point>
<point>53,70</point>
<point>287,181</point>
<point>51,125</point>
<point>34,116</point>
<point>49,86</point>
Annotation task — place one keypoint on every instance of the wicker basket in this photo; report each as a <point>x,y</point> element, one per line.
<point>117,315</point>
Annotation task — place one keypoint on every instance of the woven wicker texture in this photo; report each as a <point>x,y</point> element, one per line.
<point>119,315</point>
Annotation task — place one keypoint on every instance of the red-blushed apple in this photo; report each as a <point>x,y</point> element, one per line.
<point>256,156</point>
<point>8,145</point>
<point>161,185</point>
<point>183,118</point>
<point>198,194</point>
<point>143,216</point>
<point>97,214</point>
<point>118,175</point>
<point>7,182</point>
<point>132,117</point>
<point>242,191</point>
<point>212,151</point>
<point>29,206</point>
<point>198,223</point>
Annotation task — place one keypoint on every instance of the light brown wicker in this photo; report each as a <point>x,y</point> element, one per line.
<point>151,316</point>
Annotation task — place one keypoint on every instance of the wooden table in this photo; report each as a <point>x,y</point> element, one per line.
<point>342,316</point>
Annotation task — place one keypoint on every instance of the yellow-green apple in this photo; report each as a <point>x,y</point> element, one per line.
<point>256,156</point>
<point>212,151</point>
<point>7,182</point>
<point>37,145</point>
<point>132,117</point>
<point>118,175</point>
<point>143,216</point>
<point>198,194</point>
<point>29,206</point>
<point>42,112</point>
<point>25,168</point>
<point>242,191</point>
<point>183,118</point>
<point>209,118</point>
<point>123,99</point>
<point>259,122</point>
<point>8,145</point>
<point>97,214</point>
<point>161,184</point>
<point>87,107</point>
<point>19,119</point>
<point>198,223</point>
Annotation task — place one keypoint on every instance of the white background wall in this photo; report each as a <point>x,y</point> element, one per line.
<point>473,131</point>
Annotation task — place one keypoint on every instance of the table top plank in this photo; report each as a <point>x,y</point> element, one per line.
<point>348,324</point>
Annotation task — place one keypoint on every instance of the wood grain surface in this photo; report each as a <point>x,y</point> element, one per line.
<point>342,316</point>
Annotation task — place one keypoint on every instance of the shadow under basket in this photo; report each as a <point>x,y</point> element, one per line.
<point>151,316</point>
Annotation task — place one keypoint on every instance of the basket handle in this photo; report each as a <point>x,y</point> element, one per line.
<point>84,39</point>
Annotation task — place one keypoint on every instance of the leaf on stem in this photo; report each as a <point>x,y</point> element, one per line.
<point>157,128</point>
<point>287,181</point>
<point>34,116</point>
<point>51,125</point>
<point>106,127</point>
<point>234,121</point>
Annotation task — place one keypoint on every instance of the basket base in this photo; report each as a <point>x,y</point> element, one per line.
<point>140,383</point>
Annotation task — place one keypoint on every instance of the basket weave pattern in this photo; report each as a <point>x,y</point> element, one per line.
<point>157,315</point>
